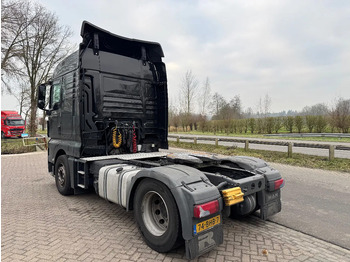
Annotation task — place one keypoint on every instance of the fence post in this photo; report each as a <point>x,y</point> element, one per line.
<point>195,140</point>
<point>216,142</point>
<point>331,152</point>
<point>290,149</point>
<point>45,143</point>
<point>246,146</point>
<point>177,139</point>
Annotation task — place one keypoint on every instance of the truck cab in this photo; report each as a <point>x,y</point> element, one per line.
<point>12,124</point>
<point>111,88</point>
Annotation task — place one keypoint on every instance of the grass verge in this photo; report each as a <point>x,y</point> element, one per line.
<point>338,164</point>
<point>15,146</point>
<point>41,132</point>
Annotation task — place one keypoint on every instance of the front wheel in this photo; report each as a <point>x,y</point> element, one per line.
<point>157,215</point>
<point>62,176</point>
<point>2,135</point>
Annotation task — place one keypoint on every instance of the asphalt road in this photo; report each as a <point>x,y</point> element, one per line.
<point>302,150</point>
<point>315,202</point>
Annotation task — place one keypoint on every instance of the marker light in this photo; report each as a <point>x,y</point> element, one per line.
<point>279,184</point>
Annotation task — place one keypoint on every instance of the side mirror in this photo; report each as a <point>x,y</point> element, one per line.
<point>41,96</point>
<point>56,106</point>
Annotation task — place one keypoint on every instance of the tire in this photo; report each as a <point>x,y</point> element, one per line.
<point>157,216</point>
<point>2,135</point>
<point>62,176</point>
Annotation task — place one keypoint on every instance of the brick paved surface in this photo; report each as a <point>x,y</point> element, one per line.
<point>38,224</point>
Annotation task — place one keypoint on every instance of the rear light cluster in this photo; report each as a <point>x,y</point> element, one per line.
<point>279,183</point>
<point>206,209</point>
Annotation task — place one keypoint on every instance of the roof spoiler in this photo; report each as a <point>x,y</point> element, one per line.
<point>100,39</point>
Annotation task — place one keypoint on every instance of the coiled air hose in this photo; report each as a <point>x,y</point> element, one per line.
<point>114,136</point>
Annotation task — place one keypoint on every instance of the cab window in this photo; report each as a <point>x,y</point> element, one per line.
<point>56,94</point>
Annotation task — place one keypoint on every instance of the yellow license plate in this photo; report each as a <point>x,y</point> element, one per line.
<point>206,224</point>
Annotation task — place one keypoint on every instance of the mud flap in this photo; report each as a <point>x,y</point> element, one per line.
<point>271,204</point>
<point>204,242</point>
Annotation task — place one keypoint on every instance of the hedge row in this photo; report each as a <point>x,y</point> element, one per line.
<point>269,125</point>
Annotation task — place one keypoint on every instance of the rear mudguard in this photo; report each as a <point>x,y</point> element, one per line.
<point>189,187</point>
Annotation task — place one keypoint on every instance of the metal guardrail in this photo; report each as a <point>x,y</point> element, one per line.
<point>290,145</point>
<point>37,143</point>
<point>338,135</point>
<point>41,143</point>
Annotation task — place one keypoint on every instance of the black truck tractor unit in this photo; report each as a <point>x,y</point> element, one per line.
<point>107,121</point>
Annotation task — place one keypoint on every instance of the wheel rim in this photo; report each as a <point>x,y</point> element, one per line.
<point>155,213</point>
<point>61,175</point>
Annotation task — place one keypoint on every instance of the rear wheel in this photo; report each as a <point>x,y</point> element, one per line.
<point>62,176</point>
<point>157,216</point>
<point>2,135</point>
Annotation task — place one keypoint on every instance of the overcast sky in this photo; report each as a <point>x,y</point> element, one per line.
<point>297,52</point>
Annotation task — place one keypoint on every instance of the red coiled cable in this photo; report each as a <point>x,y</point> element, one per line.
<point>134,145</point>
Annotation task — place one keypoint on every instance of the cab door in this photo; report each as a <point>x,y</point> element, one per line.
<point>54,127</point>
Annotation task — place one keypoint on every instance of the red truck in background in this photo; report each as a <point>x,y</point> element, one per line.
<point>12,124</point>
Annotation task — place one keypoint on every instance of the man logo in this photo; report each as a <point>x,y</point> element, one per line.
<point>205,241</point>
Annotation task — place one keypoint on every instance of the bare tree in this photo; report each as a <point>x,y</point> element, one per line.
<point>189,90</point>
<point>315,110</point>
<point>264,106</point>
<point>218,103</point>
<point>14,21</point>
<point>204,97</point>
<point>259,108</point>
<point>22,99</point>
<point>235,107</point>
<point>267,105</point>
<point>188,93</point>
<point>248,113</point>
<point>40,44</point>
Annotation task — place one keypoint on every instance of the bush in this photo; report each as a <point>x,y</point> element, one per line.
<point>299,123</point>
<point>310,122</point>
<point>260,125</point>
<point>270,123</point>
<point>278,124</point>
<point>251,125</point>
<point>320,124</point>
<point>289,123</point>
<point>15,147</point>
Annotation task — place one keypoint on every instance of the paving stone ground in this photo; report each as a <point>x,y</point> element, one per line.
<point>38,224</point>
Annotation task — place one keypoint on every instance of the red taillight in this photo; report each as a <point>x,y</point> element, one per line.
<point>206,209</point>
<point>279,183</point>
